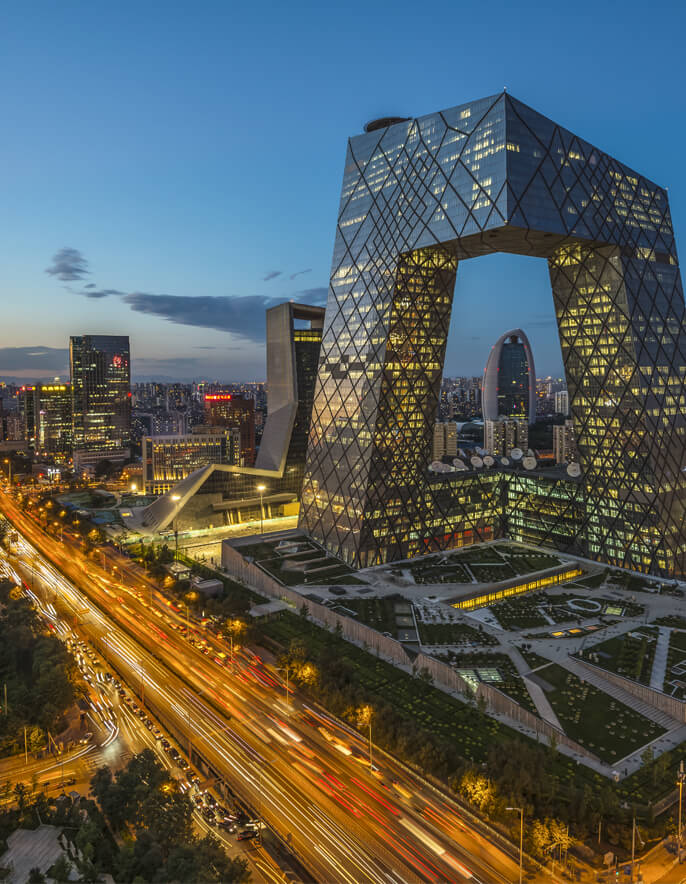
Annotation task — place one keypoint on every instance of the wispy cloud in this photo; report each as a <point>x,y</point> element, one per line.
<point>300,273</point>
<point>243,316</point>
<point>39,359</point>
<point>272,275</point>
<point>68,265</point>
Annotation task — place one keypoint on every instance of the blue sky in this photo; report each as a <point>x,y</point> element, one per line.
<point>192,150</point>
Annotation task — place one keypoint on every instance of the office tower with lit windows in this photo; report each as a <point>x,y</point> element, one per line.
<point>100,368</point>
<point>26,408</point>
<point>564,443</point>
<point>53,419</point>
<point>445,440</point>
<point>169,459</point>
<point>509,384</point>
<point>503,436</point>
<point>234,410</point>
<point>419,196</point>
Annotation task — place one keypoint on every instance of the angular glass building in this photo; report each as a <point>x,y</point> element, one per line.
<point>418,197</point>
<point>509,384</point>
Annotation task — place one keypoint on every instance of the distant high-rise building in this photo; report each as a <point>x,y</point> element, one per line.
<point>234,410</point>
<point>100,367</point>
<point>509,385</point>
<point>564,443</point>
<point>445,440</point>
<point>26,408</point>
<point>562,402</point>
<point>501,436</point>
<point>53,419</point>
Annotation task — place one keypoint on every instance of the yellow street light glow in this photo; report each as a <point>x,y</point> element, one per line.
<point>261,488</point>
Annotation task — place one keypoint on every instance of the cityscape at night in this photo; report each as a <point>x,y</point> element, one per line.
<point>343,444</point>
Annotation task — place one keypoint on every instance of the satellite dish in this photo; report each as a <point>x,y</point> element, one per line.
<point>459,464</point>
<point>460,451</point>
<point>505,461</point>
<point>574,470</point>
<point>481,451</point>
<point>529,463</point>
<point>530,453</point>
<point>435,466</point>
<point>516,454</point>
<point>476,462</point>
<point>489,461</point>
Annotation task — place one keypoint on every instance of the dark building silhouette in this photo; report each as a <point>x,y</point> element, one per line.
<point>509,384</point>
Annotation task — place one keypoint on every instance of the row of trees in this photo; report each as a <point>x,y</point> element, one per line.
<point>144,808</point>
<point>35,671</point>
<point>515,772</point>
<point>139,829</point>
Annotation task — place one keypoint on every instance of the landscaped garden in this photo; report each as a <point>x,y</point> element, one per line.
<point>496,670</point>
<point>630,654</point>
<point>675,671</point>
<point>603,725</point>
<point>483,563</point>
<point>453,634</point>
<point>298,561</point>
<point>379,613</point>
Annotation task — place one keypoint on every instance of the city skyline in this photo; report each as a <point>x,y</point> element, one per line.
<point>164,199</point>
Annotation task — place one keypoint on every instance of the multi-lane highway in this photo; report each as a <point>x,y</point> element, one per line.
<point>306,774</point>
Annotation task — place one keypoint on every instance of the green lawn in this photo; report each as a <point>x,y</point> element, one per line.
<point>473,734</point>
<point>605,726</point>
<point>675,655</point>
<point>511,682</point>
<point>453,634</point>
<point>378,613</point>
<point>630,655</point>
<point>532,658</point>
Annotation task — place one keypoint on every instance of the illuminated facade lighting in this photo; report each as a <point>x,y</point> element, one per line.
<point>418,197</point>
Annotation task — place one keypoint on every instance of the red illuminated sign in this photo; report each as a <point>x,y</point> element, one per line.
<point>217,397</point>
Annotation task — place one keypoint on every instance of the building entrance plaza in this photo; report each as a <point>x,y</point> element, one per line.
<point>421,195</point>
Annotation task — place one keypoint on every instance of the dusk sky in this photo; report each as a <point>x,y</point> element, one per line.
<point>171,169</point>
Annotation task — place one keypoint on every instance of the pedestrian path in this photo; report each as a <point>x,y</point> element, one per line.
<point>617,693</point>
<point>657,676</point>
<point>543,707</point>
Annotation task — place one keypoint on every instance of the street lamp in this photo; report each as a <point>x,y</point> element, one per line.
<point>261,489</point>
<point>285,669</point>
<point>176,498</point>
<point>9,469</point>
<point>520,811</point>
<point>134,487</point>
<point>365,716</point>
<point>236,626</point>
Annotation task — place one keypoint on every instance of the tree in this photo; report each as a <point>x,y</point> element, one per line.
<point>36,876</point>
<point>20,793</point>
<point>103,468</point>
<point>60,869</point>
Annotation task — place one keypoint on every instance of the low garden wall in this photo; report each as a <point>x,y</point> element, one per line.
<point>499,703</point>
<point>443,675</point>
<point>676,709</point>
<point>252,575</point>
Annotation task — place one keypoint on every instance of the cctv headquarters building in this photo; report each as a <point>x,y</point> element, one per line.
<point>421,195</point>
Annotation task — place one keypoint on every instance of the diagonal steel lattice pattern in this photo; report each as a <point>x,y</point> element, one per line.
<point>418,197</point>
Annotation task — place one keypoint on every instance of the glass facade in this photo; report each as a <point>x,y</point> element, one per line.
<point>100,367</point>
<point>53,419</point>
<point>421,195</point>
<point>513,389</point>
